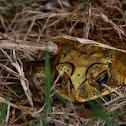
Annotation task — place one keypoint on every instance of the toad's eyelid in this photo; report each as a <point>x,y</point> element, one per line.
<point>102,74</point>
<point>73,67</point>
<point>87,72</point>
<point>95,64</point>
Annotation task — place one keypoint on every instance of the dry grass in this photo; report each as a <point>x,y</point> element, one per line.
<point>24,27</point>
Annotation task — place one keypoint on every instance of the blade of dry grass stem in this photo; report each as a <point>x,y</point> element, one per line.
<point>40,110</point>
<point>106,19</point>
<point>58,77</point>
<point>62,123</point>
<point>113,90</point>
<point>9,88</point>
<point>115,99</point>
<point>22,45</point>
<point>24,83</point>
<point>117,106</point>
<point>11,71</point>
<point>92,42</point>
<point>87,29</point>
<point>29,29</point>
<point>8,111</point>
<point>2,100</point>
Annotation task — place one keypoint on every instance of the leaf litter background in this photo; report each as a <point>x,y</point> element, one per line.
<point>25,25</point>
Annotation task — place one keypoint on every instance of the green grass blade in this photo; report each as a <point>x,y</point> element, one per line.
<point>84,6</point>
<point>48,83</point>
<point>100,113</point>
<point>61,98</point>
<point>23,118</point>
<point>4,108</point>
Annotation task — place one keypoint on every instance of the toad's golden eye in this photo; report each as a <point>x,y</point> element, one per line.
<point>99,73</point>
<point>103,80</point>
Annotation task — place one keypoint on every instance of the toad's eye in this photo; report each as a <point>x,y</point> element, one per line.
<point>103,79</point>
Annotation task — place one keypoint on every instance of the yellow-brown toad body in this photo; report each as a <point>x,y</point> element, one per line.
<point>84,75</point>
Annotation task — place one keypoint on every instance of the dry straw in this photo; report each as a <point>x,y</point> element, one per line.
<point>22,37</point>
